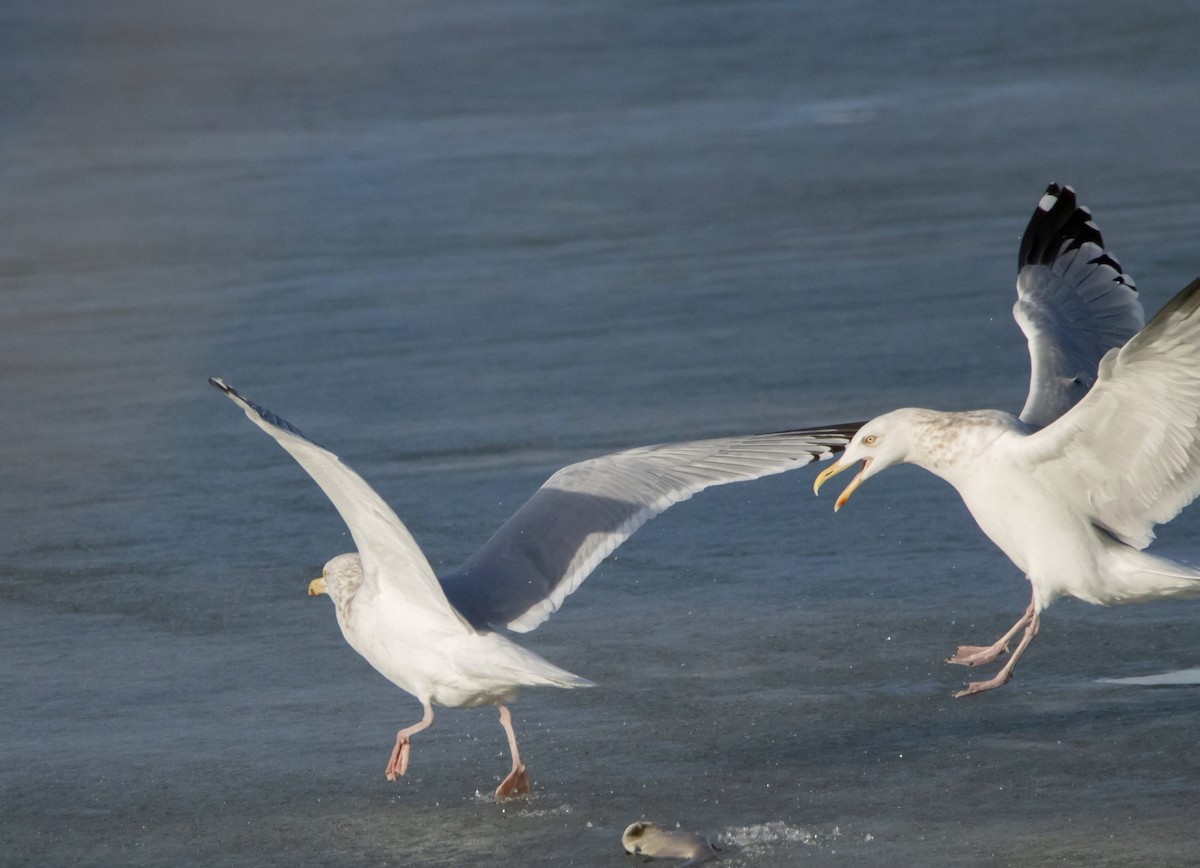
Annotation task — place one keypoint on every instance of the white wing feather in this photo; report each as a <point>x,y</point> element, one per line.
<point>391,558</point>
<point>1128,454</point>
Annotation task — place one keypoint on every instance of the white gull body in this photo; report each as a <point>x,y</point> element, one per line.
<point>439,639</point>
<point>1107,446</point>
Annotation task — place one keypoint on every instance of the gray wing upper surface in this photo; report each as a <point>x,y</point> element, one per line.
<point>1074,304</point>
<point>584,511</point>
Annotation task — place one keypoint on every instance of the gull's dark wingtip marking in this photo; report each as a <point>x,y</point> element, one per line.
<point>263,413</point>
<point>839,436</point>
<point>218,383</point>
<point>1060,224</point>
<point>841,429</point>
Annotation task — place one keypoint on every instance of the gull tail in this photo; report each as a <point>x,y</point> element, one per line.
<point>524,667</point>
<point>563,678</point>
<point>538,672</point>
<point>1135,576</point>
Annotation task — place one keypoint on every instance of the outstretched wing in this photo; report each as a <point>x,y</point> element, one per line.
<point>1074,304</point>
<point>1129,453</point>
<point>389,554</point>
<point>584,511</point>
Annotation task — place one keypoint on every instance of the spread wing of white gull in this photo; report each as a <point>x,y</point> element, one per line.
<point>1107,446</point>
<point>438,640</point>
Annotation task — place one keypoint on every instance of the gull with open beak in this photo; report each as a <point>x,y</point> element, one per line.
<point>1106,447</point>
<point>833,470</point>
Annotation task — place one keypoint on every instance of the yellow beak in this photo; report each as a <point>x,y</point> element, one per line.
<point>316,587</point>
<point>833,470</point>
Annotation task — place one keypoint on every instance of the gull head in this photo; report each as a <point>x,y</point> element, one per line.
<point>882,442</point>
<point>339,579</point>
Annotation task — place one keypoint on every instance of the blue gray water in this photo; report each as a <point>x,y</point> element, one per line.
<point>466,243</point>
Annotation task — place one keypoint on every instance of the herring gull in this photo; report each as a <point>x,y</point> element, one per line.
<point>1106,447</point>
<point>438,639</point>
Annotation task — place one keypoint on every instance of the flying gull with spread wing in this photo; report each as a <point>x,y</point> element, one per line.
<point>439,639</point>
<point>1106,447</point>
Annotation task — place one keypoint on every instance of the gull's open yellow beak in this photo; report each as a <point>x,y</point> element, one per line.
<point>833,470</point>
<point>316,587</point>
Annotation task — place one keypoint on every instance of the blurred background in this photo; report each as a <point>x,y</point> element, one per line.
<point>465,243</point>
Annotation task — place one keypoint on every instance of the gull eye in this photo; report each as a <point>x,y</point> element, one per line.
<point>869,440</point>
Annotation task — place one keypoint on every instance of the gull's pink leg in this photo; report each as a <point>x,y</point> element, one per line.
<point>398,764</point>
<point>517,782</point>
<point>1003,676</point>
<point>976,655</point>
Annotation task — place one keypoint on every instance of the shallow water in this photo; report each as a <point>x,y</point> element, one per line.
<point>463,244</point>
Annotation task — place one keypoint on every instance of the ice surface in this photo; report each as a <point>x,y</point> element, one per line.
<point>466,243</point>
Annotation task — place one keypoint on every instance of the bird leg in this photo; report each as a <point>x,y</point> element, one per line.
<point>1005,674</point>
<point>398,764</point>
<point>517,782</point>
<point>977,655</point>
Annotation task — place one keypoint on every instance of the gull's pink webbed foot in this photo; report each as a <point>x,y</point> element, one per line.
<point>974,687</point>
<point>517,783</point>
<point>398,762</point>
<point>977,655</point>
<point>1005,675</point>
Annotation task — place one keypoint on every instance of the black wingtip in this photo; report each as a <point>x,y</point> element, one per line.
<point>847,429</point>
<point>838,429</point>
<point>841,431</point>
<point>1059,224</point>
<point>263,413</point>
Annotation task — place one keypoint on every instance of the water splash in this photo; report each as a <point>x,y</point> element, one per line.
<point>763,837</point>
